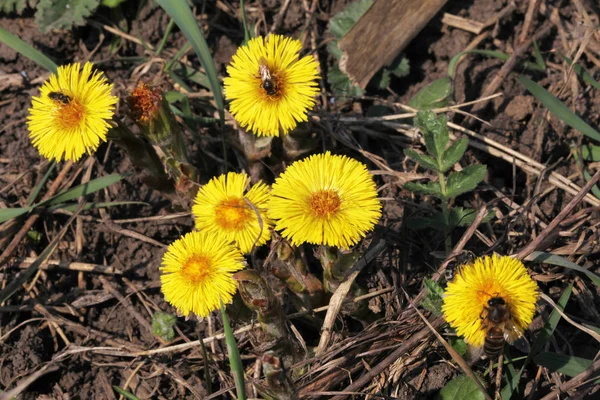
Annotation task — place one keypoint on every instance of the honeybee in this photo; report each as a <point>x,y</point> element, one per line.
<point>266,79</point>
<point>497,322</point>
<point>60,97</point>
<point>453,268</point>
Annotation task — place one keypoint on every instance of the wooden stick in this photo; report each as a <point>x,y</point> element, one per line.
<point>381,34</point>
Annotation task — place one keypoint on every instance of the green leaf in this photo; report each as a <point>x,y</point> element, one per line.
<point>9,213</point>
<point>63,14</point>
<point>342,22</point>
<point>340,83</point>
<point>423,159</point>
<point>162,325</point>
<point>435,95</point>
<point>461,388</point>
<point>590,152</point>
<point>181,13</point>
<point>235,361</point>
<point>435,132</point>
<point>27,50</point>
<point>568,365</point>
<point>430,188</point>
<point>465,180</point>
<point>539,60</point>
<point>540,341</point>
<point>433,300</point>
<point>89,206</point>
<point>82,190</point>
<point>556,107</point>
<point>582,73</point>
<point>548,258</point>
<point>595,189</point>
<point>125,393</point>
<point>112,3</point>
<point>8,6</point>
<point>460,216</point>
<point>453,154</point>
<point>247,33</point>
<point>382,79</point>
<point>458,344</point>
<point>400,67</point>
<point>40,185</point>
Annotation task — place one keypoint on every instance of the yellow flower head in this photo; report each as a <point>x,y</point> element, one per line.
<point>325,199</point>
<point>466,297</point>
<point>270,88</point>
<point>226,208</point>
<point>196,272</point>
<point>70,116</point>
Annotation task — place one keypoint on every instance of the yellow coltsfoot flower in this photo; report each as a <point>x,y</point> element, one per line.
<point>467,298</point>
<point>271,89</point>
<point>226,207</point>
<point>70,117</point>
<point>197,272</point>
<point>325,200</point>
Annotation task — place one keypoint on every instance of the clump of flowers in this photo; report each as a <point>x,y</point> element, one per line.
<point>466,297</point>
<point>70,117</point>
<point>270,87</point>
<point>197,273</point>
<point>226,206</point>
<point>325,200</point>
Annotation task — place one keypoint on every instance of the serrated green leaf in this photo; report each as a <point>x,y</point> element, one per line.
<point>556,107</point>
<point>340,83</point>
<point>183,17</point>
<point>382,79</point>
<point>343,21</point>
<point>548,258</point>
<point>565,364</point>
<point>430,188</point>
<point>435,95</point>
<point>433,300</point>
<point>423,159</point>
<point>453,154</point>
<point>8,6</point>
<point>27,50</point>
<point>590,152</point>
<point>465,180</point>
<point>461,388</point>
<point>63,14</point>
<point>435,132</point>
<point>400,67</point>
<point>9,213</point>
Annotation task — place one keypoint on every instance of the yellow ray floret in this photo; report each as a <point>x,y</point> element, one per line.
<point>466,297</point>
<point>325,199</point>
<point>270,88</point>
<point>196,272</point>
<point>70,117</point>
<point>225,207</point>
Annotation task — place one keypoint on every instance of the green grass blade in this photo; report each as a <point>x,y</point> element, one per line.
<point>125,393</point>
<point>181,13</point>
<point>582,73</point>
<point>163,42</point>
<point>494,54</point>
<point>247,34</point>
<point>82,190</point>
<point>543,337</point>
<point>9,213</point>
<point>235,361</point>
<point>38,188</point>
<point>539,60</point>
<point>556,107</point>
<point>89,206</point>
<point>547,258</point>
<point>27,50</point>
<point>16,283</point>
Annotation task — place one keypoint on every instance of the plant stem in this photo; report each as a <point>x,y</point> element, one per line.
<point>446,214</point>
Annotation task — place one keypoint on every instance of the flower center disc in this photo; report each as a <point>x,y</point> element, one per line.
<point>70,115</point>
<point>232,214</point>
<point>196,268</point>
<point>324,203</point>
